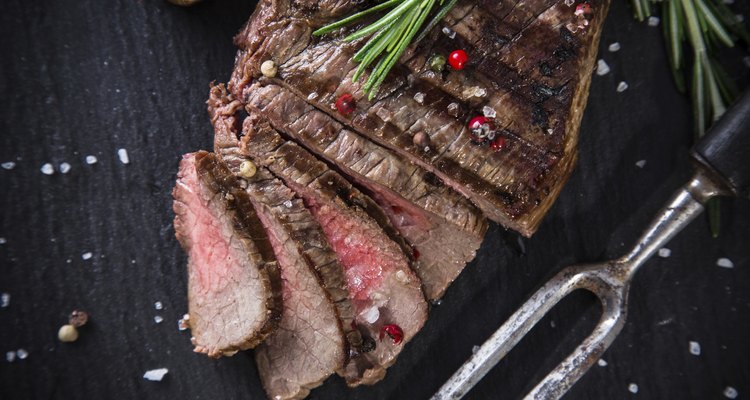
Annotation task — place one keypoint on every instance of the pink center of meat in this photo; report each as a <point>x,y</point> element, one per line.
<point>365,264</point>
<point>210,249</point>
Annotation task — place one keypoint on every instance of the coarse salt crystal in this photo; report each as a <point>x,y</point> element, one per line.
<point>122,154</point>
<point>622,86</point>
<point>730,392</point>
<point>436,302</point>
<point>64,168</point>
<point>10,356</point>
<point>383,114</point>
<point>91,160</point>
<point>158,304</point>
<point>614,47</point>
<point>87,255</point>
<point>602,363</point>
<point>401,276</point>
<point>725,263</point>
<point>664,252</point>
<point>640,163</point>
<point>474,349</point>
<point>695,348</point>
<point>569,2</point>
<point>653,21</point>
<point>5,300</point>
<point>601,67</point>
<point>158,319</point>
<point>3,240</point>
<point>474,91</point>
<point>489,112</point>
<point>419,97</point>
<point>183,323</point>
<point>8,165</point>
<point>288,204</point>
<point>22,354</point>
<point>633,388</point>
<point>312,96</point>
<point>371,315</point>
<point>155,374</point>
<point>47,169</point>
<point>449,32</point>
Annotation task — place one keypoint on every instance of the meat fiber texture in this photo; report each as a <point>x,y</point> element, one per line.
<point>530,68</point>
<point>234,287</point>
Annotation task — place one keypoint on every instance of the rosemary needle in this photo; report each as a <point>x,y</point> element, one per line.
<point>389,36</point>
<point>704,26</point>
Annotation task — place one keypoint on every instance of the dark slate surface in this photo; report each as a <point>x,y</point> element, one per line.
<point>89,77</point>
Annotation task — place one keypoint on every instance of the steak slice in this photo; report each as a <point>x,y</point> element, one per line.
<point>530,69</point>
<point>443,227</point>
<point>310,344</point>
<point>315,331</point>
<point>234,288</point>
<point>383,287</point>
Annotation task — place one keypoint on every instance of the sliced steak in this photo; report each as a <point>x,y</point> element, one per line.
<point>384,289</point>
<point>234,288</point>
<point>311,342</point>
<point>531,67</point>
<point>444,228</point>
<point>224,117</point>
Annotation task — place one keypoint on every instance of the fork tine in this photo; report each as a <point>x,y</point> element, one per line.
<point>510,333</point>
<point>567,373</point>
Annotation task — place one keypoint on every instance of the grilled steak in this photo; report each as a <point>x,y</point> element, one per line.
<point>444,228</point>
<point>234,288</point>
<point>530,68</point>
<point>297,229</point>
<point>384,289</point>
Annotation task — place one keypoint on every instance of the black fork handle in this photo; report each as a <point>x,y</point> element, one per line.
<point>725,150</point>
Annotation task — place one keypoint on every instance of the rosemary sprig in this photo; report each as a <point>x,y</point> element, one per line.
<point>389,36</point>
<point>704,26</point>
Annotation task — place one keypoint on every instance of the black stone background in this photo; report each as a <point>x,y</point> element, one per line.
<point>90,77</point>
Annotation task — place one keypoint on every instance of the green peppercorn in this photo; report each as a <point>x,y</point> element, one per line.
<point>437,62</point>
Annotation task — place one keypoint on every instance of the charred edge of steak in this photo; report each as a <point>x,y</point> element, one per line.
<point>225,115</point>
<point>246,226</point>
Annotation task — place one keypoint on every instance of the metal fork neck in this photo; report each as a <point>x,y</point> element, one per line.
<point>685,205</point>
